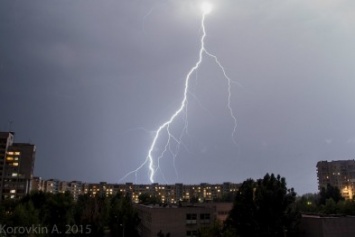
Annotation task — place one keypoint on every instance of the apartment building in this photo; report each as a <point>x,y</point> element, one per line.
<point>6,140</point>
<point>18,170</point>
<point>77,188</point>
<point>37,184</point>
<point>340,173</point>
<point>173,219</point>
<point>167,193</point>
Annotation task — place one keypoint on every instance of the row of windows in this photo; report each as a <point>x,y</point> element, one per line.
<point>203,216</point>
<point>14,164</point>
<point>192,218</point>
<point>13,153</point>
<point>10,158</point>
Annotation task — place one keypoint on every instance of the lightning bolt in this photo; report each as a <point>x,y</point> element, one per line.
<point>183,109</point>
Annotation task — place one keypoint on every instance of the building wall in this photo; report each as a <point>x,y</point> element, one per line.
<point>178,221</point>
<point>315,226</point>
<point>221,209</point>
<point>51,186</point>
<point>339,174</point>
<point>37,184</point>
<point>6,140</point>
<point>18,170</point>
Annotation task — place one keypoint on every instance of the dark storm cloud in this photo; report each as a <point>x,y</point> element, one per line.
<point>81,79</point>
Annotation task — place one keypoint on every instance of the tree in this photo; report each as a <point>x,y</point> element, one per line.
<point>264,208</point>
<point>346,207</point>
<point>25,215</point>
<point>308,203</point>
<point>330,207</point>
<point>92,212</point>
<point>123,217</point>
<point>213,230</point>
<point>329,192</point>
<point>58,211</point>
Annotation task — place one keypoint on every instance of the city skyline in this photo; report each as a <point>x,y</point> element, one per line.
<point>89,82</point>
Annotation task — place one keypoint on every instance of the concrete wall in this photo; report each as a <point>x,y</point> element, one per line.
<point>315,226</point>
<point>171,219</point>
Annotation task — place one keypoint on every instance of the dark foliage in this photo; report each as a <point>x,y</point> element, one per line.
<point>329,192</point>
<point>88,216</point>
<point>264,208</point>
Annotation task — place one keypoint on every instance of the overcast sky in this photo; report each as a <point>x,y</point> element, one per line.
<point>89,82</point>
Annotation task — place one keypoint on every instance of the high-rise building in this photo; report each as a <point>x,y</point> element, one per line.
<point>6,140</point>
<point>18,170</point>
<point>340,174</point>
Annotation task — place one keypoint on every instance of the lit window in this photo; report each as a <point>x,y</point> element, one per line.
<point>14,174</point>
<point>17,153</point>
<point>15,164</point>
<point>9,158</point>
<point>12,196</point>
<point>13,191</point>
<point>10,153</point>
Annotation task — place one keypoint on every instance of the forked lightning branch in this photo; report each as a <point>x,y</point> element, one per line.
<point>152,160</point>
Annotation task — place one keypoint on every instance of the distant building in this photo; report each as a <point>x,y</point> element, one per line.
<point>63,187</point>
<point>37,184</point>
<point>167,193</point>
<point>51,186</point>
<point>339,174</point>
<point>76,188</point>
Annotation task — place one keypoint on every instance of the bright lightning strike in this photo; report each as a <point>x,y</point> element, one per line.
<point>150,159</point>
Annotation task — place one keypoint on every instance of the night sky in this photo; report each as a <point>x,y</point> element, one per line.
<point>89,82</point>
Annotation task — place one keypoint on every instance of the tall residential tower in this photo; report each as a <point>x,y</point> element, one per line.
<point>340,174</point>
<point>16,167</point>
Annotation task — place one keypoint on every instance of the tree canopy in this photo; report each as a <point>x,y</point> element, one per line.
<point>264,208</point>
<point>62,216</point>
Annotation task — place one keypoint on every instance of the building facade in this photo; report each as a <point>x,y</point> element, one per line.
<point>6,140</point>
<point>18,170</point>
<point>325,226</point>
<point>182,221</point>
<point>340,174</point>
<point>167,193</point>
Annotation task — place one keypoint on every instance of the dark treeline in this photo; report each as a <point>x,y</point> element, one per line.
<point>262,208</point>
<point>46,214</point>
<point>327,202</point>
<point>267,208</point>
